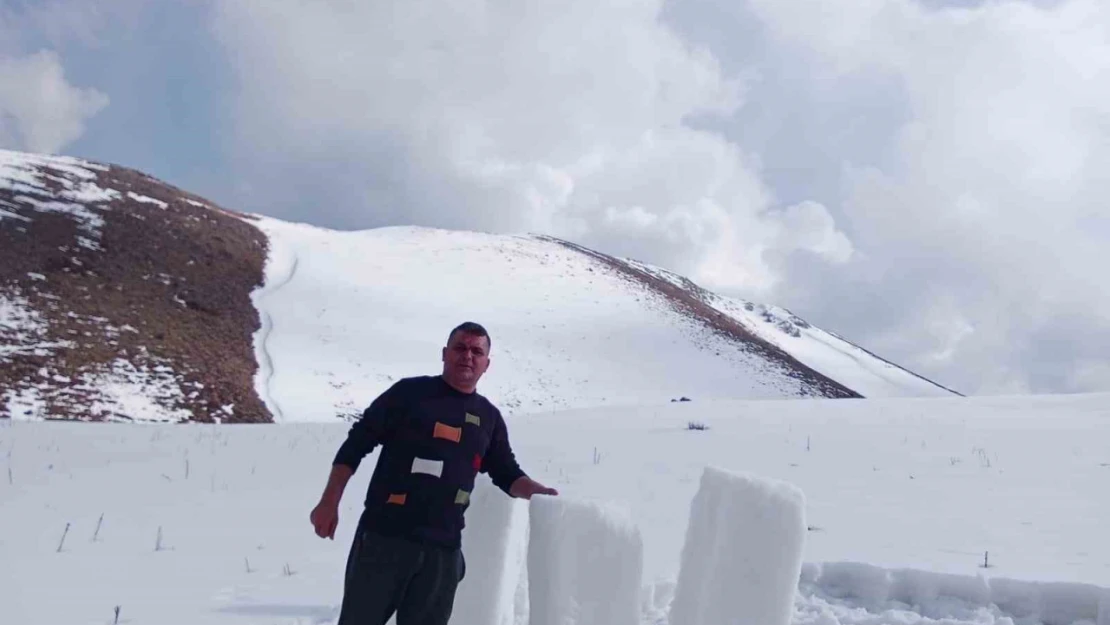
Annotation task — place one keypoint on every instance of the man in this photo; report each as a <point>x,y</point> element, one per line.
<point>436,434</point>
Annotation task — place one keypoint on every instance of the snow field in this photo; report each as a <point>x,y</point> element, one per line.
<point>903,497</point>
<point>585,564</point>
<point>743,552</point>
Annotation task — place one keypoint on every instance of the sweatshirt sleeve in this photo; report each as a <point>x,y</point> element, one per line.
<point>500,462</point>
<point>377,425</point>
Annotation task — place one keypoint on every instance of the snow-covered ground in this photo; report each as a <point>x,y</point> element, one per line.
<point>904,500</point>
<point>345,313</point>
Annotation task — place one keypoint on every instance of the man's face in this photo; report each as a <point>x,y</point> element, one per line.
<point>465,358</point>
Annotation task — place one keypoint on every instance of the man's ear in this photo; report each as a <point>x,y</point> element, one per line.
<point>443,354</point>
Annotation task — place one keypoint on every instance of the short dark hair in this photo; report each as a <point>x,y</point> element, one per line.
<point>470,327</point>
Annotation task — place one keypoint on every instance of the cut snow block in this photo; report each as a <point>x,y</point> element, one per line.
<point>493,543</point>
<point>922,588</point>
<point>585,564</point>
<point>1051,603</point>
<point>867,585</point>
<point>743,552</point>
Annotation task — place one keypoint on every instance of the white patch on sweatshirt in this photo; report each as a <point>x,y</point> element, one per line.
<point>430,467</point>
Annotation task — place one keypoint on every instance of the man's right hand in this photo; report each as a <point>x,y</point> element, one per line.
<point>325,518</point>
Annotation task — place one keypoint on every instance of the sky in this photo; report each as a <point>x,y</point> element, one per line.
<point>924,177</point>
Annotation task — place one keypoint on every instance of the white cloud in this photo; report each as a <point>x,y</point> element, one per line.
<point>986,226</point>
<point>808,226</point>
<point>571,118</point>
<point>39,110</point>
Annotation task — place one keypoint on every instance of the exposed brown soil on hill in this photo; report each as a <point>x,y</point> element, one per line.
<point>131,309</point>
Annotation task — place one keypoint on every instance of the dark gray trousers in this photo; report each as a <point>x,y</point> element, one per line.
<point>387,575</point>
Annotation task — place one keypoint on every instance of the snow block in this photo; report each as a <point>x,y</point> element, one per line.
<point>493,543</point>
<point>742,557</point>
<point>921,588</point>
<point>865,584</point>
<point>1051,603</point>
<point>585,564</point>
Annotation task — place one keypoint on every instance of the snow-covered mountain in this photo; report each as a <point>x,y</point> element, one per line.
<point>122,297</point>
<point>571,327</point>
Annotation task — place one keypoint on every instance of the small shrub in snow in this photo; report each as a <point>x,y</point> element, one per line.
<point>63,541</point>
<point>695,425</point>
<point>98,524</point>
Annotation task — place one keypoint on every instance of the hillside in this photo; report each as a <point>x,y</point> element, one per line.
<point>124,298</point>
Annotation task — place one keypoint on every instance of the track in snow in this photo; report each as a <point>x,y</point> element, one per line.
<point>266,360</point>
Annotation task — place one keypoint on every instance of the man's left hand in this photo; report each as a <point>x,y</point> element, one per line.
<point>525,487</point>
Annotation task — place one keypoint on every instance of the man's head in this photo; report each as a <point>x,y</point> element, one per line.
<point>466,356</point>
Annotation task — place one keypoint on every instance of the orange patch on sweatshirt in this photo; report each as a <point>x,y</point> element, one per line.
<point>446,431</point>
<point>398,499</point>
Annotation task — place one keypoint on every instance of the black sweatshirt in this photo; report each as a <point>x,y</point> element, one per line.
<point>434,440</point>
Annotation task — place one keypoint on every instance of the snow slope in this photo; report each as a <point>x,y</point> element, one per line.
<point>847,363</point>
<point>344,314</point>
<point>208,525</point>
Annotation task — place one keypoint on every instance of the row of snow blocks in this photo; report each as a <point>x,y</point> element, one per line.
<point>876,589</point>
<point>561,561</point>
<point>585,564</point>
<point>742,556</point>
<point>1052,603</point>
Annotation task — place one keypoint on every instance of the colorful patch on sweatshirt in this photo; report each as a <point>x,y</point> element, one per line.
<point>447,432</point>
